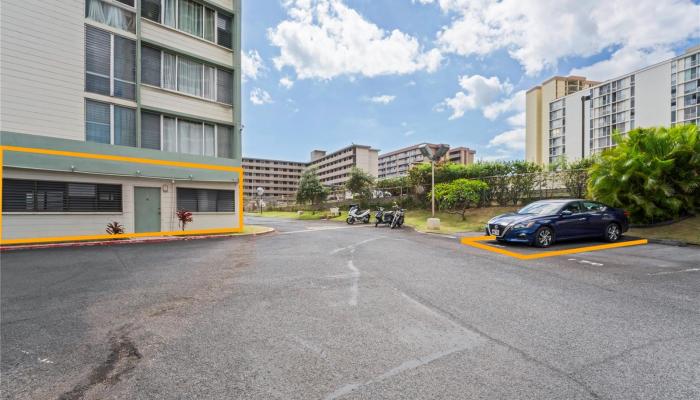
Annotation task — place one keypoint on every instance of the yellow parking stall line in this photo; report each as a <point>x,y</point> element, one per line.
<point>476,242</point>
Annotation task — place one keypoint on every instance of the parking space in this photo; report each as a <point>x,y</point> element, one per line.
<point>525,252</point>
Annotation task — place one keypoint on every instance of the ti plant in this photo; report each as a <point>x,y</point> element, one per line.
<point>184,217</point>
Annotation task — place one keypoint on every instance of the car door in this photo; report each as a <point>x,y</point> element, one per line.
<point>596,223</point>
<point>569,225</point>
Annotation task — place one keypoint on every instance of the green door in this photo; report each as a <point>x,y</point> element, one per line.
<point>147,209</point>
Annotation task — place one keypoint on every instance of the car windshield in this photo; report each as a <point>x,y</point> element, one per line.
<point>538,208</point>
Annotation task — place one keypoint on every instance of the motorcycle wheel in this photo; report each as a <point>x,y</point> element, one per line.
<point>350,221</point>
<point>393,224</point>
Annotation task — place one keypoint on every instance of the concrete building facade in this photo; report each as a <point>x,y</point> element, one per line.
<point>123,81</point>
<point>582,123</point>
<point>397,163</point>
<point>279,179</point>
<point>334,169</point>
<point>537,115</point>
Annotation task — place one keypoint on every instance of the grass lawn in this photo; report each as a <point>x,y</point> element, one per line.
<point>293,215</point>
<point>450,223</point>
<point>687,230</point>
<point>251,229</point>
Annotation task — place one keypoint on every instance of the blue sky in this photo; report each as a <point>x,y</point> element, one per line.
<point>321,74</point>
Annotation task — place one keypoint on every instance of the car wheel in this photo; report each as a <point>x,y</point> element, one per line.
<point>544,237</point>
<point>613,233</point>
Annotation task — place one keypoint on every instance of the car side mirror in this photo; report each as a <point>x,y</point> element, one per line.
<point>566,213</point>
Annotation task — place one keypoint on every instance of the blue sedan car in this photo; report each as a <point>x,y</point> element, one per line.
<point>544,222</point>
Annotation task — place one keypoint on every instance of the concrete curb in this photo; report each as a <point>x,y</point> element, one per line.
<point>671,242</point>
<point>159,239</point>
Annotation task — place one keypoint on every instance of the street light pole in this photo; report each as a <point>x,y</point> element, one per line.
<point>432,186</point>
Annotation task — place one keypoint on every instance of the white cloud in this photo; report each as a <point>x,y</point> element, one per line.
<point>623,61</point>
<point>286,82</point>
<point>514,103</point>
<point>409,133</point>
<point>324,39</point>
<point>481,93</point>
<point>383,99</point>
<point>539,33</point>
<point>252,65</point>
<point>259,97</point>
<point>517,119</point>
<point>513,139</point>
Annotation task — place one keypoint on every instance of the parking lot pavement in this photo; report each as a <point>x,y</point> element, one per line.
<point>323,310</point>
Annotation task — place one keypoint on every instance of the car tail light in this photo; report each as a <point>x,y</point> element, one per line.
<point>627,213</point>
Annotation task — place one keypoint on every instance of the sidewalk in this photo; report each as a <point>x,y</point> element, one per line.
<point>156,239</point>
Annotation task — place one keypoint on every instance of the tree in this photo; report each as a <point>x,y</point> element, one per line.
<point>654,173</point>
<point>310,188</point>
<point>575,176</point>
<point>360,183</point>
<point>457,196</point>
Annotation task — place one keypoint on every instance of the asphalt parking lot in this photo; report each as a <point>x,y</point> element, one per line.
<point>328,311</point>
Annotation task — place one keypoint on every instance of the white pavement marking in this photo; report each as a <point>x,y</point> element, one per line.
<point>45,360</point>
<point>353,246</point>
<point>354,288</point>
<point>322,228</point>
<point>587,262</point>
<point>676,272</point>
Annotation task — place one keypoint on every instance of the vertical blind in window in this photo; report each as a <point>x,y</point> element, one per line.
<point>97,122</point>
<point>224,87</point>
<point>150,130</point>
<point>102,118</point>
<point>224,141</point>
<point>124,68</point>
<point>100,75</point>
<point>189,76</point>
<point>170,134</point>
<point>205,200</point>
<point>124,126</point>
<point>150,66</point>
<point>97,60</point>
<point>169,71</point>
<point>189,137</point>
<point>190,18</point>
<point>50,196</point>
<point>151,9</point>
<point>224,31</point>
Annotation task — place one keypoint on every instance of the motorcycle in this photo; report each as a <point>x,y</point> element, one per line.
<point>356,215</point>
<point>393,218</point>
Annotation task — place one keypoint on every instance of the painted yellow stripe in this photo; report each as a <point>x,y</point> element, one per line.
<point>475,242</point>
<point>180,164</point>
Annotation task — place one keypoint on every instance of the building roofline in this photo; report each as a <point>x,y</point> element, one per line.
<point>404,149</point>
<point>327,155</point>
<point>250,159</point>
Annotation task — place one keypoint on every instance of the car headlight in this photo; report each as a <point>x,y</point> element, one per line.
<point>523,225</point>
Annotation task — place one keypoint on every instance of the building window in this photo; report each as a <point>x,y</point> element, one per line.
<point>110,64</point>
<point>110,124</point>
<point>191,17</point>
<point>21,195</point>
<point>111,14</point>
<point>185,136</point>
<point>186,75</point>
<point>206,200</point>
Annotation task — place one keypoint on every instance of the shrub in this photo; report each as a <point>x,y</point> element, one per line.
<point>184,217</point>
<point>654,173</point>
<point>114,228</point>
<point>457,196</point>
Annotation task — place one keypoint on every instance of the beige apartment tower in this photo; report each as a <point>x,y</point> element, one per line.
<point>537,112</point>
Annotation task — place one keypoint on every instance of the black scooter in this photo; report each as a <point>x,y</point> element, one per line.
<point>393,218</point>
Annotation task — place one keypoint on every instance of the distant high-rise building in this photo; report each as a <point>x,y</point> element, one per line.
<point>582,123</point>
<point>397,163</point>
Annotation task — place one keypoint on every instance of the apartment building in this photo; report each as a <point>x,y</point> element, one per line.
<point>279,179</point>
<point>397,163</point>
<point>334,169</point>
<point>538,113</point>
<point>461,155</point>
<point>130,98</point>
<point>582,123</point>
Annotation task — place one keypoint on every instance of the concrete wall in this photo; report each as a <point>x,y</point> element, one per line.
<point>533,126</point>
<point>189,44</point>
<point>42,80</point>
<point>653,96</point>
<point>18,225</point>
<point>166,100</point>
<point>572,130</point>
